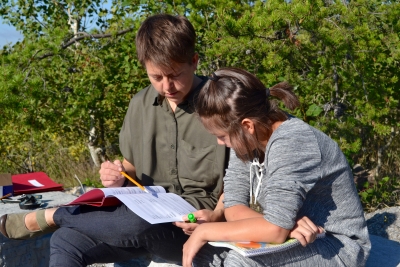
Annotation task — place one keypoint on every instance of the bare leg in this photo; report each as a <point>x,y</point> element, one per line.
<point>32,224</point>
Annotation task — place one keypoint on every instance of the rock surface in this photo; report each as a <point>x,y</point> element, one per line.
<point>385,223</point>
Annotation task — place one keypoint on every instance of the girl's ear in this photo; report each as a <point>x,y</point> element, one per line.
<point>248,125</point>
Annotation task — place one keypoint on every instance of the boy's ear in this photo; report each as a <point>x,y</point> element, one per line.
<point>195,59</point>
<point>248,125</point>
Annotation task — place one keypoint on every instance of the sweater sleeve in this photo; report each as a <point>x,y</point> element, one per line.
<point>293,167</point>
<point>236,182</point>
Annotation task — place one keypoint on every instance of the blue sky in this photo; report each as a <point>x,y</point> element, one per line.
<point>8,34</point>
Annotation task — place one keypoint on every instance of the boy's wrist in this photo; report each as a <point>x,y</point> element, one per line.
<point>126,182</point>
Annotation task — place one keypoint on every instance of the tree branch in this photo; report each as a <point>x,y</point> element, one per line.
<point>95,36</point>
<point>84,36</point>
<point>383,148</point>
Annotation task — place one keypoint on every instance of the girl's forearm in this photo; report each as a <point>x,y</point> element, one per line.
<point>252,229</point>
<point>218,215</point>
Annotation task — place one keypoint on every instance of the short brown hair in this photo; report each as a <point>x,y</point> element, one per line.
<point>165,39</point>
<point>232,95</point>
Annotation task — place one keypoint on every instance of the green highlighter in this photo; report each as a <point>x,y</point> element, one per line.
<point>191,218</point>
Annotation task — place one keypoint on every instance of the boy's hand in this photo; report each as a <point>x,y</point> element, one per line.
<point>110,174</point>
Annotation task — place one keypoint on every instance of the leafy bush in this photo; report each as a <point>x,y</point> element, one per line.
<point>73,86</point>
<point>60,160</point>
<point>384,193</point>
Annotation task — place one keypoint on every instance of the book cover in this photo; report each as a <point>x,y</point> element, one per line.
<point>35,182</point>
<point>250,248</point>
<point>158,206</point>
<point>95,197</point>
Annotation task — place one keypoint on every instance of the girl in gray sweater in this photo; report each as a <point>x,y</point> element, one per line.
<point>287,167</point>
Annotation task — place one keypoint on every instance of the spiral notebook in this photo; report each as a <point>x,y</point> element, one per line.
<point>250,249</point>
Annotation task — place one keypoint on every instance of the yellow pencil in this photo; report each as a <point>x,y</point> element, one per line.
<point>133,181</point>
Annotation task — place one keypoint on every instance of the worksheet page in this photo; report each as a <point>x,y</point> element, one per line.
<point>157,207</point>
<point>114,191</point>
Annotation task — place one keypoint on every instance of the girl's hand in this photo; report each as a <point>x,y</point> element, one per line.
<point>305,231</point>
<point>192,246</point>
<point>202,216</point>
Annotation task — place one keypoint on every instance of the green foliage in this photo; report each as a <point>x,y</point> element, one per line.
<point>380,195</point>
<point>342,58</point>
<point>59,159</point>
<point>314,111</point>
<point>93,183</point>
<point>48,88</point>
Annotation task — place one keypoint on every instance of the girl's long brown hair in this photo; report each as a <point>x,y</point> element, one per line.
<point>232,95</point>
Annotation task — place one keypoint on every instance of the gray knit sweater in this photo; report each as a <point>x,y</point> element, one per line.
<point>305,174</point>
